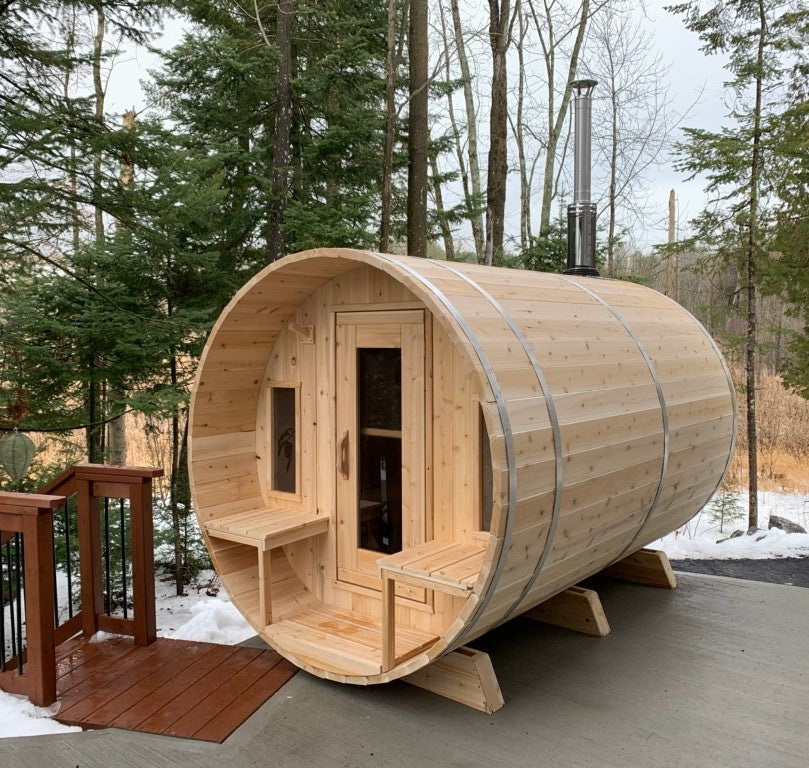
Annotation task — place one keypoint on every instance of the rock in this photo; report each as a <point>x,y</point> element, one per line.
<point>734,535</point>
<point>785,525</point>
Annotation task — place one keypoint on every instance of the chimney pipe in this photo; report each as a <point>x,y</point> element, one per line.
<point>581,213</point>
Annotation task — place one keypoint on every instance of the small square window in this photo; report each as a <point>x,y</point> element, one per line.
<point>283,439</point>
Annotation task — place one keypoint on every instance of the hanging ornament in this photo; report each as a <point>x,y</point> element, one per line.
<point>16,454</point>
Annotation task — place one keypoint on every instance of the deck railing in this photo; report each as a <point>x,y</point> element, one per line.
<point>94,520</point>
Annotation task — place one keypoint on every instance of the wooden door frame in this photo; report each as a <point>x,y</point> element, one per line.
<point>409,330</point>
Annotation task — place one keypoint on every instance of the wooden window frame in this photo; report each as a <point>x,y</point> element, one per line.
<point>271,454</point>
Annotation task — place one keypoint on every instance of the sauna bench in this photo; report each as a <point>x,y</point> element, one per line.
<point>437,565</point>
<point>266,529</point>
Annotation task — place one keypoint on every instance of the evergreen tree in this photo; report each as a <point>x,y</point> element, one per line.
<point>759,39</point>
<point>788,272</point>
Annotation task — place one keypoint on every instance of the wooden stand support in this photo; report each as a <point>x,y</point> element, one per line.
<point>465,676</point>
<point>576,608</point>
<point>646,566</point>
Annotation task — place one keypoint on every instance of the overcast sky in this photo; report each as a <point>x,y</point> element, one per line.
<point>696,82</point>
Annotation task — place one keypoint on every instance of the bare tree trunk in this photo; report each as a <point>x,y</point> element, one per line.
<point>751,255</point>
<point>556,117</point>
<point>613,192</point>
<point>671,256</point>
<point>98,87</point>
<point>518,129</point>
<point>283,128</point>
<point>75,220</point>
<point>475,219</point>
<point>418,131</point>
<point>446,232</point>
<point>499,37</point>
<point>116,428</point>
<point>469,203</point>
<point>95,431</point>
<point>391,68</point>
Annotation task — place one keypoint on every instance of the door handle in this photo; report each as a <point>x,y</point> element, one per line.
<point>342,461</point>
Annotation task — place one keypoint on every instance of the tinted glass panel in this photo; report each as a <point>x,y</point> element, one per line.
<point>380,480</point>
<point>485,477</point>
<point>380,379</point>
<point>283,439</point>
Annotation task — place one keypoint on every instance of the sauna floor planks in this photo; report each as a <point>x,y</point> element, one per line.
<point>341,642</point>
<point>173,687</point>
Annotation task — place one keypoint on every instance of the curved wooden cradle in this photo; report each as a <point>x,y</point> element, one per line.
<point>553,426</point>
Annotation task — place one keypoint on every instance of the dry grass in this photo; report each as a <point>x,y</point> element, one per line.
<point>782,436</point>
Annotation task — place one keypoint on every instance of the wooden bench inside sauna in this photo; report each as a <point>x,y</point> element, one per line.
<point>390,456</point>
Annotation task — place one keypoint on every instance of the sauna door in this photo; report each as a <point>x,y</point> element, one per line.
<point>380,397</point>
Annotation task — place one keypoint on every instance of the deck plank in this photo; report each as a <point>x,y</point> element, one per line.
<point>222,696</point>
<point>195,690</point>
<point>159,690</point>
<point>120,671</point>
<point>223,724</point>
<point>152,684</point>
<point>181,697</point>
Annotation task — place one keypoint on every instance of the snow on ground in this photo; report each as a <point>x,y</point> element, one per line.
<point>207,615</point>
<point>706,535</point>
<point>19,717</point>
<point>199,615</point>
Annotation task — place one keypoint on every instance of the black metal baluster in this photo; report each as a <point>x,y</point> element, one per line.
<point>68,556</point>
<point>108,597</point>
<point>12,622</point>
<point>123,553</point>
<point>18,567</point>
<point>3,613</point>
<point>55,567</point>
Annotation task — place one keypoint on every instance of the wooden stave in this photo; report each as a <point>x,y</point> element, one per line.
<point>496,283</point>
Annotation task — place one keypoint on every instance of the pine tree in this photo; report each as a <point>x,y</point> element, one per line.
<point>759,38</point>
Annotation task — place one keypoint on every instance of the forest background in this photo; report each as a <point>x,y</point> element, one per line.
<point>440,129</point>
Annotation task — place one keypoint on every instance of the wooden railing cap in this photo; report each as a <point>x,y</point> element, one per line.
<point>29,503</point>
<point>117,470</point>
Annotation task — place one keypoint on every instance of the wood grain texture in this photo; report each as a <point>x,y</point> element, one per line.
<point>619,360</point>
<point>190,689</point>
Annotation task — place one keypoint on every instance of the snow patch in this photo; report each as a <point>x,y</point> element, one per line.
<point>214,621</point>
<point>19,717</point>
<point>706,535</point>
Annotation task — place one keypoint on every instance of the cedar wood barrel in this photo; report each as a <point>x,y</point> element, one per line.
<point>557,423</point>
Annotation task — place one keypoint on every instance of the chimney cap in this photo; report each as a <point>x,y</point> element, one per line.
<point>581,85</point>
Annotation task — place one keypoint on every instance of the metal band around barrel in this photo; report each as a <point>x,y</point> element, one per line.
<point>554,420</point>
<point>663,410</point>
<point>731,389</point>
<point>504,421</point>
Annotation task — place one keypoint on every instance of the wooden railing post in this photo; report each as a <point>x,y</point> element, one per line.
<point>32,516</point>
<point>39,607</point>
<point>143,562</point>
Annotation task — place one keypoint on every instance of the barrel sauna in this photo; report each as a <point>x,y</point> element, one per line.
<point>390,456</point>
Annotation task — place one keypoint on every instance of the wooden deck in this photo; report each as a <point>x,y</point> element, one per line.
<point>172,687</point>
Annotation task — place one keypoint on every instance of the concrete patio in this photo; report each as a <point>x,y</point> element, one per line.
<point>713,674</point>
